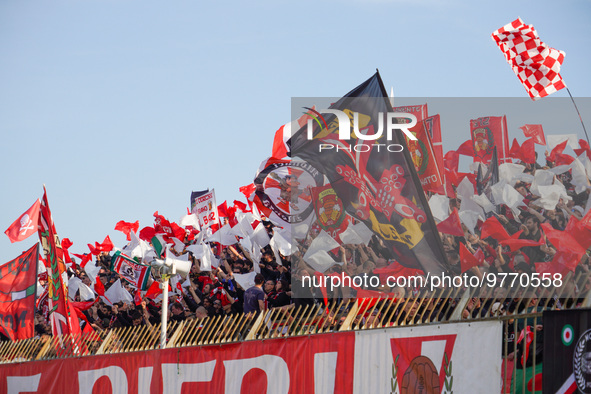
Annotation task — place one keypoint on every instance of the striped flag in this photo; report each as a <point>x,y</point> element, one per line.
<point>135,273</point>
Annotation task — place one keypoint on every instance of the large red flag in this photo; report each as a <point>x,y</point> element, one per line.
<point>534,131</point>
<point>25,225</point>
<point>488,132</point>
<point>63,321</point>
<point>429,167</point>
<point>18,286</point>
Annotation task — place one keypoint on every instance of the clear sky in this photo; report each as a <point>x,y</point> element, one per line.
<point>123,107</point>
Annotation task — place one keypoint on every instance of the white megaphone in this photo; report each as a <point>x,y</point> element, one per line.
<point>177,266</point>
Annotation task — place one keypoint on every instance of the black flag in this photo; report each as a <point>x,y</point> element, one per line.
<point>373,175</point>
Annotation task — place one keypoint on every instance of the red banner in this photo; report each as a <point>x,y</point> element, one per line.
<point>488,132</point>
<point>322,363</point>
<point>433,127</point>
<point>63,319</point>
<point>423,155</point>
<point>18,285</point>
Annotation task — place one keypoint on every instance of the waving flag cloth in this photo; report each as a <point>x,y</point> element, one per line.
<point>18,286</point>
<point>534,131</point>
<point>63,318</point>
<point>203,205</point>
<point>536,64</point>
<point>378,187</point>
<point>25,225</point>
<point>135,273</point>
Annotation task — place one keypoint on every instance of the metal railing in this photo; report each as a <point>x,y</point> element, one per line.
<point>444,305</point>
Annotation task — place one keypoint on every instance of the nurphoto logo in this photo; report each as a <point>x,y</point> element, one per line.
<point>363,133</point>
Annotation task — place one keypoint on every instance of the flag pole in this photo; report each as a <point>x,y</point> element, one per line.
<point>580,118</point>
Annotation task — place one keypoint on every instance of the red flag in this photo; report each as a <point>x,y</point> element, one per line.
<point>536,64</point>
<point>562,240</point>
<point>248,191</point>
<point>84,258</point>
<point>579,230</point>
<point>223,210</point>
<point>137,297</point>
<point>320,278</point>
<point>99,287</point>
<point>240,205</point>
<point>147,233</point>
<point>425,159</point>
<point>534,131</point>
<point>584,149</point>
<point>466,149</point>
<point>106,246</point>
<point>126,228</point>
<point>558,149</point>
<point>514,243</point>
<point>493,228</point>
<point>452,225</point>
<point>452,159</point>
<point>18,287</point>
<point>395,270</point>
<point>62,320</point>
<point>488,132</point>
<point>280,147</point>
<point>528,151</point>
<point>25,225</point>
<point>529,338</point>
<point>467,259</point>
<point>153,290</point>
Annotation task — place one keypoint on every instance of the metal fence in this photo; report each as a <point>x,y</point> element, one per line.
<point>444,305</point>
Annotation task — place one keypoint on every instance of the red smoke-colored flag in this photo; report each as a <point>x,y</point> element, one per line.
<point>536,64</point>
<point>488,132</point>
<point>25,225</point>
<point>534,131</point>
<point>452,225</point>
<point>18,287</point>
<point>63,321</point>
<point>127,227</point>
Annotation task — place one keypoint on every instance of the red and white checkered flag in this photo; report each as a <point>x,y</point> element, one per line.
<point>536,64</point>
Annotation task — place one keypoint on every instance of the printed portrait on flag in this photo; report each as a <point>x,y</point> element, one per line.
<point>330,211</point>
<point>483,141</point>
<point>487,133</point>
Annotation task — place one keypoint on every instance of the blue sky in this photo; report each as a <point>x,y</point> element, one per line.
<point>121,108</point>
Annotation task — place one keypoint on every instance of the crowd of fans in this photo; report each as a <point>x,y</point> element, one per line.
<point>217,293</point>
